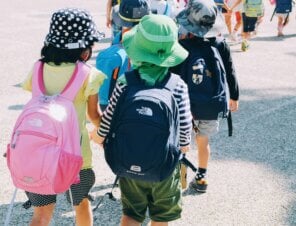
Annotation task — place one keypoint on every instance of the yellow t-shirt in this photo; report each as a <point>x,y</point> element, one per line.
<point>55,79</point>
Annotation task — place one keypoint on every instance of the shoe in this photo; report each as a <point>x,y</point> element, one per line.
<point>199,185</point>
<point>245,45</point>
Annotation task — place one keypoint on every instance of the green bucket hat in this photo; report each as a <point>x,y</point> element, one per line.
<point>154,40</point>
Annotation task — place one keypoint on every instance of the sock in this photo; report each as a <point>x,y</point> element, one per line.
<point>201,173</point>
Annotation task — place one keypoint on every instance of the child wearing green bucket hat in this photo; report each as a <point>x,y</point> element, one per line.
<point>153,47</point>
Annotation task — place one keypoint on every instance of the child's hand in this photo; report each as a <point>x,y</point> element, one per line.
<point>95,137</point>
<point>233,105</point>
<point>184,149</point>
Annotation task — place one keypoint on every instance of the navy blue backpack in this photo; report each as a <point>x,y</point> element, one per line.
<point>283,6</point>
<point>204,73</point>
<point>143,141</point>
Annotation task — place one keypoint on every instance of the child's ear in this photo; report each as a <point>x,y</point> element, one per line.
<point>86,54</point>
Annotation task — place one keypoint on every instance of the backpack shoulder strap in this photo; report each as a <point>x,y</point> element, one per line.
<point>80,73</point>
<point>133,78</point>
<point>166,10</point>
<point>172,82</point>
<point>38,87</point>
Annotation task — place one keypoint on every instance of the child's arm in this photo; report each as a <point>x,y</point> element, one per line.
<point>235,4</point>
<point>185,117</point>
<point>103,130</point>
<point>108,13</point>
<point>94,112</point>
<point>226,7</point>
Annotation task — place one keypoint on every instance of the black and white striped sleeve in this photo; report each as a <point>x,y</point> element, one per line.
<point>182,98</point>
<point>108,113</point>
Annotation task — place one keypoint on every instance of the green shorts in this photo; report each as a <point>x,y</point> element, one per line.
<point>162,199</point>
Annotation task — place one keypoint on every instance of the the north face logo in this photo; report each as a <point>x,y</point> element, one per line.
<point>35,122</point>
<point>145,111</point>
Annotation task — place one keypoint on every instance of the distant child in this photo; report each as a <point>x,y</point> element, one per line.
<point>153,47</point>
<point>113,61</point>
<point>203,27</point>
<point>252,11</point>
<point>111,8</point>
<point>161,7</point>
<point>72,33</point>
<point>282,11</point>
<point>233,30</point>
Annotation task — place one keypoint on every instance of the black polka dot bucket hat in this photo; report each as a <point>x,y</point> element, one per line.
<point>72,28</point>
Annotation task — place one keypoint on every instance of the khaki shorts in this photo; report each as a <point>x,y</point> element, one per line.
<point>162,199</point>
<point>206,127</point>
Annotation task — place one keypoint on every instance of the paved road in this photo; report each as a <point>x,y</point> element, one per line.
<point>252,176</point>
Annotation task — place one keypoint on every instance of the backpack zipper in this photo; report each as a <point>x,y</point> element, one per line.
<point>33,133</point>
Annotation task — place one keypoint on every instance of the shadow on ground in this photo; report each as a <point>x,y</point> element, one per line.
<point>264,133</point>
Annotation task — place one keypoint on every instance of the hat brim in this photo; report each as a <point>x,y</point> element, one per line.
<point>117,20</point>
<point>219,27</point>
<point>199,30</point>
<point>135,53</point>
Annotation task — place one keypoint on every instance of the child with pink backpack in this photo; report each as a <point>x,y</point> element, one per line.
<point>50,152</point>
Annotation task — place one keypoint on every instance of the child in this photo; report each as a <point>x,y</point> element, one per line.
<point>162,7</point>
<point>113,61</point>
<point>250,14</point>
<point>71,36</point>
<point>111,9</point>
<point>152,56</point>
<point>282,11</point>
<point>202,36</point>
<point>238,20</point>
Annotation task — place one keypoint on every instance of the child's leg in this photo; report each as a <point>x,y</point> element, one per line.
<point>238,19</point>
<point>79,192</point>
<point>280,25</point>
<point>203,151</point>
<point>43,208</point>
<point>84,216</point>
<point>42,215</point>
<point>204,129</point>
<point>227,17</point>
<point>128,221</point>
<point>154,223</point>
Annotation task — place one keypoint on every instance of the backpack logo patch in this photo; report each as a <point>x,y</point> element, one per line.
<point>145,111</point>
<point>199,69</point>
<point>35,122</point>
<point>205,76</point>
<point>136,168</point>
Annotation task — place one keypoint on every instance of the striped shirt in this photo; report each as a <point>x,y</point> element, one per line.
<point>180,94</point>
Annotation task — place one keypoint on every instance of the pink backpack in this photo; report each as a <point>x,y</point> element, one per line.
<point>44,155</point>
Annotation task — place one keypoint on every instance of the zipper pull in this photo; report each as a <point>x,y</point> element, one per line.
<point>14,139</point>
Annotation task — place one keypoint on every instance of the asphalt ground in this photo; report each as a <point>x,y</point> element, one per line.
<point>252,175</point>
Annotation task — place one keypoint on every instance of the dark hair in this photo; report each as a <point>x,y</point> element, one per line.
<point>49,53</point>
